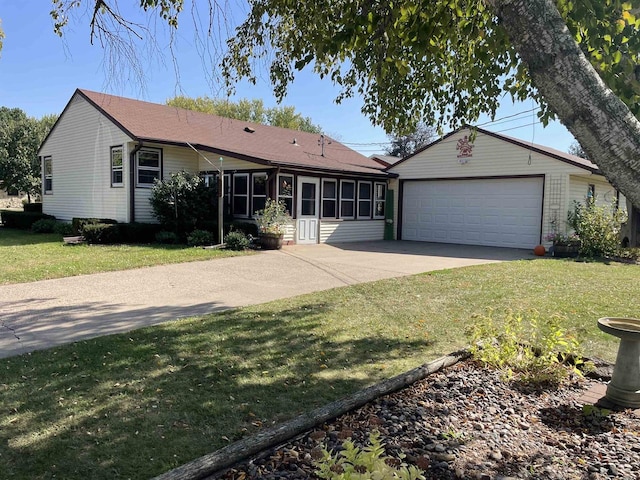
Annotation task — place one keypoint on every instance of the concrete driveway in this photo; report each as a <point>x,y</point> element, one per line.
<point>43,314</point>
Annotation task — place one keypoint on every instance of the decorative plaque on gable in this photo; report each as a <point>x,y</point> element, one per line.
<point>465,149</point>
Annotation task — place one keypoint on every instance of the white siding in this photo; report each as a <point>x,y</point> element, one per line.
<point>579,186</point>
<point>81,162</point>
<point>229,164</point>
<point>493,157</point>
<point>174,160</point>
<point>334,231</point>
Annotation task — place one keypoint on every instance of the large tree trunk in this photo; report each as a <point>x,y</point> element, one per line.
<point>607,131</point>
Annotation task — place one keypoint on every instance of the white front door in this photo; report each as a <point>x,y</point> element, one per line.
<point>307,224</point>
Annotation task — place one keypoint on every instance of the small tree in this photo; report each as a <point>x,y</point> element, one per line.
<point>597,226</point>
<point>183,203</point>
<point>403,145</point>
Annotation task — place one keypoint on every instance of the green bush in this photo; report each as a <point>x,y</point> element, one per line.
<point>248,228</point>
<point>45,225</point>
<point>529,349</point>
<point>199,238</point>
<point>103,233</point>
<point>79,223</point>
<point>598,227</point>
<point>33,207</point>
<point>183,203</point>
<point>165,237</point>
<point>63,228</point>
<point>21,220</point>
<point>236,241</point>
<point>139,232</point>
<point>367,463</point>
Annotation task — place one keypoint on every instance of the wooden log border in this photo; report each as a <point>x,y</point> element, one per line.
<point>230,455</point>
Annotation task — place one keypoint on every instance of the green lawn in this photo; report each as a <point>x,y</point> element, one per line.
<point>27,257</point>
<point>135,405</point>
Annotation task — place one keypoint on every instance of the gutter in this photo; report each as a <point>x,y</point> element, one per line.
<point>132,183</point>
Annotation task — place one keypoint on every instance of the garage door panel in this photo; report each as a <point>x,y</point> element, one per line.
<point>495,212</point>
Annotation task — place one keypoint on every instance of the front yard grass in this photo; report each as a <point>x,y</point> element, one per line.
<point>27,257</point>
<point>138,404</point>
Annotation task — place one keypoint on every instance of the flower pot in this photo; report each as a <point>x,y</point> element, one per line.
<point>565,251</point>
<point>271,241</point>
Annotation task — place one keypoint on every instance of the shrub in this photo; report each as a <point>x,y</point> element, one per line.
<point>63,228</point>
<point>33,207</point>
<point>274,218</point>
<point>103,233</point>
<point>139,232</point>
<point>598,227</point>
<point>79,223</point>
<point>369,462</point>
<point>236,241</point>
<point>165,237</point>
<point>22,220</point>
<point>200,237</point>
<point>45,225</point>
<point>183,202</point>
<point>531,350</point>
<point>248,228</point>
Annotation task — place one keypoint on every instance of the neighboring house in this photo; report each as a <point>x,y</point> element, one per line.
<point>493,190</point>
<point>11,199</point>
<point>104,153</point>
<point>386,160</point>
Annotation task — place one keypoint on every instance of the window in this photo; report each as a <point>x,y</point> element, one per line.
<point>259,192</point>
<point>148,166</point>
<point>364,199</point>
<point>48,175</point>
<point>285,191</point>
<point>308,198</point>
<point>591,192</point>
<point>329,198</point>
<point>227,193</point>
<point>241,194</point>
<point>347,198</point>
<point>116,166</point>
<point>379,197</point>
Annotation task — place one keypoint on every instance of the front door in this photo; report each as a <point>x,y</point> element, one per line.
<point>307,225</point>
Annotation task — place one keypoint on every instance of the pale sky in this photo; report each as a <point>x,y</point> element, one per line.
<point>39,72</point>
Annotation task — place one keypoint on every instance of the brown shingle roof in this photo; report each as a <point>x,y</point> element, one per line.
<point>153,122</point>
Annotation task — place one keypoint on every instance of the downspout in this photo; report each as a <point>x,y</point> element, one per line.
<point>132,183</point>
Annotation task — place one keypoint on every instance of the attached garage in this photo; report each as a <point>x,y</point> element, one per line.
<point>493,212</point>
<point>490,189</point>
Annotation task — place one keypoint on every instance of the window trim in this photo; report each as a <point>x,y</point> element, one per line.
<point>121,169</point>
<point>159,168</point>
<point>352,200</point>
<point>334,198</point>
<point>369,200</point>
<point>47,176</point>
<point>247,195</point>
<point>377,200</point>
<point>253,185</point>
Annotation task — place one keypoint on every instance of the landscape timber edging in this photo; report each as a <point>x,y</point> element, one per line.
<point>230,455</point>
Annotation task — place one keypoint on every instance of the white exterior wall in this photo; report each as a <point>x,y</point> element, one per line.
<point>334,231</point>
<point>493,157</point>
<point>174,160</point>
<point>81,163</point>
<point>605,193</point>
<point>229,164</point>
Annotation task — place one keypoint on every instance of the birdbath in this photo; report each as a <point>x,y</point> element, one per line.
<point>624,387</point>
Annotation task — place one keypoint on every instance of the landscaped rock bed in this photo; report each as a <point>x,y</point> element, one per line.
<point>464,422</point>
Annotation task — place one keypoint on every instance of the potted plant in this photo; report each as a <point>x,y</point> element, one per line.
<point>272,223</point>
<point>564,246</point>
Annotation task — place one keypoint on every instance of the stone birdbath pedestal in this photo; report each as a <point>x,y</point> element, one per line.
<point>624,387</point>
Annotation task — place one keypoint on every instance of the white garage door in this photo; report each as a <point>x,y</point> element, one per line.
<point>495,212</point>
